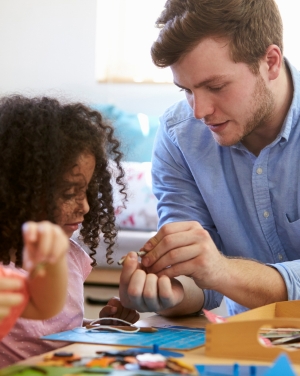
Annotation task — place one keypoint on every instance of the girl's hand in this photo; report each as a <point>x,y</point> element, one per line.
<point>10,294</point>
<point>114,308</point>
<point>44,243</point>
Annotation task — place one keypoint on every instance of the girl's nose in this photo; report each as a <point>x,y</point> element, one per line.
<point>85,207</point>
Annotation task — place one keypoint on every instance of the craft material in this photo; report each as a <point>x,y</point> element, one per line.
<point>129,328</point>
<point>281,367</point>
<point>143,364</point>
<point>62,357</point>
<point>135,351</point>
<point>140,254</point>
<point>122,328</point>
<point>151,361</point>
<point>157,350</point>
<point>176,339</point>
<point>39,270</point>
<point>181,364</point>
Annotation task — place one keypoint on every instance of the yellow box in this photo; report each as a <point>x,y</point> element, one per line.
<point>238,337</point>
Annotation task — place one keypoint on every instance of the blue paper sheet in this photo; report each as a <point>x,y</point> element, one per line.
<point>177,339</point>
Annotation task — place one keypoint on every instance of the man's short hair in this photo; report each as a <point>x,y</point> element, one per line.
<point>249,26</point>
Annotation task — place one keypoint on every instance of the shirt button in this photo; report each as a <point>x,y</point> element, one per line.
<point>259,170</point>
<point>280,257</point>
<point>266,214</point>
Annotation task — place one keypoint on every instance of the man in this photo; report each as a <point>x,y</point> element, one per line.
<point>225,165</point>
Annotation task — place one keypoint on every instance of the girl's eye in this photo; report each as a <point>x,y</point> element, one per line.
<point>69,196</point>
<point>77,195</point>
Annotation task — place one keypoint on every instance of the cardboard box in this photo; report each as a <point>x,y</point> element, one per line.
<point>238,337</point>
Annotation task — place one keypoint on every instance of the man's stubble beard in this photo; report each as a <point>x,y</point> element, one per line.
<point>264,104</point>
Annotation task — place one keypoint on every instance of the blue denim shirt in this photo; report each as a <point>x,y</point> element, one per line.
<point>250,205</point>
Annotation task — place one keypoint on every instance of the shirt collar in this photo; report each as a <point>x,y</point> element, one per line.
<point>293,114</point>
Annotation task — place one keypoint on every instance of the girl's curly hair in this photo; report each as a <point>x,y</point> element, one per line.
<point>40,140</point>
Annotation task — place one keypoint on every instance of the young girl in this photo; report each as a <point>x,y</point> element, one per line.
<point>55,164</point>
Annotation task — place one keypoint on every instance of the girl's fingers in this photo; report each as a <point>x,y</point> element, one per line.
<point>37,241</point>
<point>29,230</point>
<point>44,242</point>
<point>4,312</point>
<point>8,300</point>
<point>7,283</point>
<point>107,311</point>
<point>114,309</point>
<point>131,315</point>
<point>60,245</point>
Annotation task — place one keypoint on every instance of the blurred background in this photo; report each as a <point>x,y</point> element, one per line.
<point>98,52</point>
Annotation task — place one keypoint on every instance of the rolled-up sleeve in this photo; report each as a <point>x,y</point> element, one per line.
<point>212,299</point>
<point>290,271</point>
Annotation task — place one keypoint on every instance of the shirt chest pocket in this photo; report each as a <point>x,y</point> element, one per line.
<point>289,235</point>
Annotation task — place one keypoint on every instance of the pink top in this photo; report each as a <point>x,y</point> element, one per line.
<point>24,341</point>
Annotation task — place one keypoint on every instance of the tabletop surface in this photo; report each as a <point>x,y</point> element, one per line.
<point>192,357</point>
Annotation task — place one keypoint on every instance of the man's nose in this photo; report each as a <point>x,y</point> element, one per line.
<point>202,106</point>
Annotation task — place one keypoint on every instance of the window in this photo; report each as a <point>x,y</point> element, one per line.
<point>125,32</point>
<point>290,16</point>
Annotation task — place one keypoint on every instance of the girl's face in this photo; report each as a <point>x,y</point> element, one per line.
<point>73,203</point>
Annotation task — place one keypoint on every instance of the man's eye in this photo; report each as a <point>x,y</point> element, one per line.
<point>216,88</point>
<point>187,91</point>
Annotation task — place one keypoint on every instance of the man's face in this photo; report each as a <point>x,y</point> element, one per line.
<point>231,100</point>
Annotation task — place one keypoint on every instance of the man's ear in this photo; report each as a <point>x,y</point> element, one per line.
<point>273,61</point>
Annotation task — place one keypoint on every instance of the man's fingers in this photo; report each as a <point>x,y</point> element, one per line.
<point>151,243</point>
<point>183,268</point>
<point>150,293</point>
<point>170,291</point>
<point>174,246</point>
<point>134,291</point>
<point>130,265</point>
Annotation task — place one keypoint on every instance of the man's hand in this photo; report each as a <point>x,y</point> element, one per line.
<point>147,292</point>
<point>185,248</point>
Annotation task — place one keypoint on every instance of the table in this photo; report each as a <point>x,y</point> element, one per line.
<point>191,357</point>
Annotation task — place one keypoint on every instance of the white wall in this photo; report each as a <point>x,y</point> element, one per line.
<point>48,47</point>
